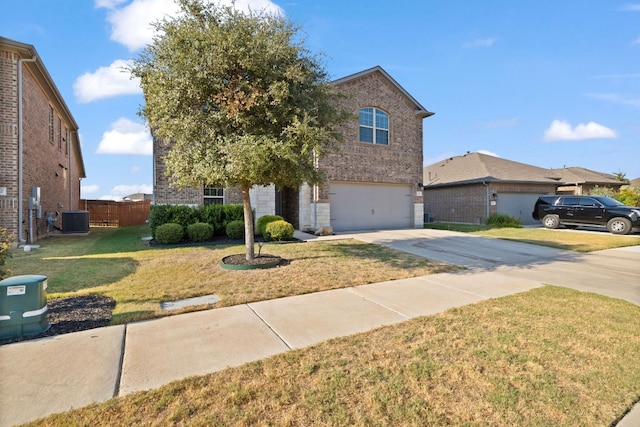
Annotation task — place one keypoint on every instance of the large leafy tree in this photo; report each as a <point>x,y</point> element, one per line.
<point>240,98</point>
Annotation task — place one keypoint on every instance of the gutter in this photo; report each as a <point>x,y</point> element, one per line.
<point>20,145</point>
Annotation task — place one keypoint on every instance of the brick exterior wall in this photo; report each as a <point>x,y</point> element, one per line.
<point>468,203</point>
<point>398,163</point>
<point>54,165</point>
<point>165,193</point>
<point>9,140</point>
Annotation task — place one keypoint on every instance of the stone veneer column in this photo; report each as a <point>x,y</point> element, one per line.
<point>263,200</point>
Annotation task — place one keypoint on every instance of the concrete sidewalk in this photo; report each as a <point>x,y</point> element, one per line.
<point>55,374</point>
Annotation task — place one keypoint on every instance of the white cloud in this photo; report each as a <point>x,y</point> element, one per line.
<point>106,82</point>
<point>89,189</point>
<point>108,4</point>
<point>488,153</point>
<point>124,189</point>
<point>616,98</point>
<point>126,137</point>
<point>631,8</point>
<point>561,130</point>
<point>131,23</point>
<point>488,42</point>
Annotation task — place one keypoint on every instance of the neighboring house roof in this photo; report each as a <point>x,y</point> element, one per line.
<point>473,168</point>
<point>420,110</point>
<point>42,76</point>
<point>577,175</point>
<point>635,183</point>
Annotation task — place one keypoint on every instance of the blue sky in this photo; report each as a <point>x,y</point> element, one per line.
<point>548,83</point>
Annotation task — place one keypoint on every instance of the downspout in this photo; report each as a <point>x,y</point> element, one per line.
<point>69,178</point>
<point>20,143</point>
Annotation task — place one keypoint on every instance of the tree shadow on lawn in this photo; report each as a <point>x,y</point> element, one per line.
<point>75,274</point>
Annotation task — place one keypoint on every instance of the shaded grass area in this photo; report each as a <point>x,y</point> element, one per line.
<point>550,356</point>
<point>572,240</point>
<point>118,264</point>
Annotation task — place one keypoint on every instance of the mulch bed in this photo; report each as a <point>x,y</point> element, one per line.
<point>74,314</point>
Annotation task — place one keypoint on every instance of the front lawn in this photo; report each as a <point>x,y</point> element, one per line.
<point>119,264</point>
<point>550,356</point>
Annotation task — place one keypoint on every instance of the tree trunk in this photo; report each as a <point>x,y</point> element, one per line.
<point>248,225</point>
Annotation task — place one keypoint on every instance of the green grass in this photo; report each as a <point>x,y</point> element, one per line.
<point>573,240</point>
<point>551,356</point>
<point>118,264</point>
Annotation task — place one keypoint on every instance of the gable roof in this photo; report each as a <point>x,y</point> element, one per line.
<point>472,168</point>
<point>635,183</point>
<point>577,175</point>
<point>420,110</point>
<point>42,76</point>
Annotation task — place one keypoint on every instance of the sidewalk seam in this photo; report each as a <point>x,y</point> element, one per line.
<point>269,326</point>
<point>116,389</point>
<point>355,292</point>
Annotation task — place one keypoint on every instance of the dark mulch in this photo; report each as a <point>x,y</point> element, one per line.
<point>241,259</point>
<point>74,314</point>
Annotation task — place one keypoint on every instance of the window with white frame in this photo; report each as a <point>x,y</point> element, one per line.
<point>213,195</point>
<point>374,126</point>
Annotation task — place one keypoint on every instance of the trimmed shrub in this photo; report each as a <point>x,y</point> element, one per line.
<point>262,222</point>
<point>218,216</point>
<point>200,231</point>
<point>5,245</point>
<point>501,220</point>
<point>170,233</point>
<point>235,229</point>
<point>279,230</point>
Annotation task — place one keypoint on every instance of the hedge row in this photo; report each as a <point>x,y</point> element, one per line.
<point>218,216</point>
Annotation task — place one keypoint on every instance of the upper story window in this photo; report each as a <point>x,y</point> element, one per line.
<point>374,126</point>
<point>213,195</point>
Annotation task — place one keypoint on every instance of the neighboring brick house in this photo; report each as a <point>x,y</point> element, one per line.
<point>39,146</point>
<point>471,187</point>
<point>373,181</point>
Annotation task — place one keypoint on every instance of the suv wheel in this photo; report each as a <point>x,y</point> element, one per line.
<point>551,221</point>
<point>619,226</point>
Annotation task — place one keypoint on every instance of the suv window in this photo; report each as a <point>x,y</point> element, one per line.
<point>588,201</point>
<point>571,201</point>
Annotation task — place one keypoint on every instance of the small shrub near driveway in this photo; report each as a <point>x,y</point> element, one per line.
<point>200,232</point>
<point>501,220</point>
<point>278,230</point>
<point>168,234</point>
<point>262,222</point>
<point>235,229</point>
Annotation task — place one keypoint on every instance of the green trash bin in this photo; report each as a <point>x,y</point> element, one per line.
<point>23,306</point>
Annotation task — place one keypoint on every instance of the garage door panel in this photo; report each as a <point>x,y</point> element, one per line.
<point>370,206</point>
<point>519,205</point>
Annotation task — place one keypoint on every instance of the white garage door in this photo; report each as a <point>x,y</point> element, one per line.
<point>519,205</point>
<point>370,206</point>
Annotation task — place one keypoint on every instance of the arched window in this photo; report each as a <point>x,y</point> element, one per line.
<point>374,126</point>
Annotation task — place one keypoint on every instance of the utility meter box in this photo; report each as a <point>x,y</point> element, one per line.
<point>23,306</point>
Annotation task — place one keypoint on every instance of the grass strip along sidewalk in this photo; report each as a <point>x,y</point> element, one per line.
<point>550,356</point>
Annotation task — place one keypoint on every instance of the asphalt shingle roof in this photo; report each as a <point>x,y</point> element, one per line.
<point>477,167</point>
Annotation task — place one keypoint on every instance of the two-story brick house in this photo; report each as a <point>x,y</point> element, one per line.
<point>40,155</point>
<point>373,180</point>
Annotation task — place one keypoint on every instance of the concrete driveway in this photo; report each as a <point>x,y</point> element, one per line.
<point>612,272</point>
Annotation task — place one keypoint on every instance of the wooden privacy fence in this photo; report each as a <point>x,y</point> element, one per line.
<point>107,213</point>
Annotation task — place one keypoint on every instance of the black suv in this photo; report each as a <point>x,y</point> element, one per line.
<point>573,211</point>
